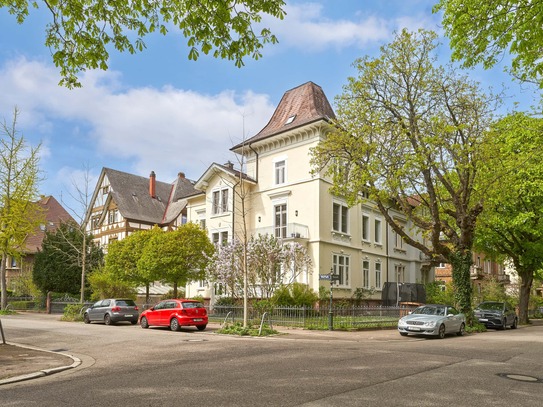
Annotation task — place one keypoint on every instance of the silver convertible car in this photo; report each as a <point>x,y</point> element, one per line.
<point>433,320</point>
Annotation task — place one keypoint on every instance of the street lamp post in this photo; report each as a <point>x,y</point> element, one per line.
<point>330,312</point>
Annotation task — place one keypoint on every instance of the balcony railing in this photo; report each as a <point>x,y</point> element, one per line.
<point>476,272</point>
<point>292,231</point>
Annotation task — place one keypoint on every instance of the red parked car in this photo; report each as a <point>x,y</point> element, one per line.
<point>175,314</point>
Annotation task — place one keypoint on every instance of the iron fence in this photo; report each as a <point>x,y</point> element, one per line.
<point>363,317</point>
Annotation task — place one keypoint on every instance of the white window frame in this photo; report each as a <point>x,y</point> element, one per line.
<point>280,171</point>
<point>366,274</point>
<point>283,224</point>
<point>378,275</point>
<point>378,231</point>
<point>220,201</point>
<point>341,265</point>
<point>398,244</point>
<point>366,230</point>
<point>340,225</point>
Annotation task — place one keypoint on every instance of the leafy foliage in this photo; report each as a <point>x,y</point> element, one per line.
<point>270,264</point>
<point>72,312</point>
<point>481,32</point>
<point>81,32</point>
<point>57,267</point>
<point>177,257</point>
<point>408,136</point>
<point>239,329</point>
<point>106,284</point>
<point>511,225</point>
<point>19,176</point>
<point>435,294</point>
<point>297,295</point>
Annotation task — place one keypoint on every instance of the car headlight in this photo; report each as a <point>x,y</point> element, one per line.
<point>430,324</point>
<point>401,322</point>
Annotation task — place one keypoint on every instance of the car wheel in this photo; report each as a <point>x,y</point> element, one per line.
<point>174,324</point>
<point>107,320</point>
<point>504,324</point>
<point>86,318</point>
<point>403,333</point>
<point>201,327</point>
<point>441,332</point>
<point>143,323</point>
<point>462,330</point>
<point>515,323</point>
<point>133,322</point>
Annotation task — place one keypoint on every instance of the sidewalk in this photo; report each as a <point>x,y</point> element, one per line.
<point>18,363</point>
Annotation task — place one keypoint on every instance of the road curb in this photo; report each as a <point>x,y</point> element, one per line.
<point>44,372</point>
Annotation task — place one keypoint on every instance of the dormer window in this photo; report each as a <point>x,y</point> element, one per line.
<point>290,119</point>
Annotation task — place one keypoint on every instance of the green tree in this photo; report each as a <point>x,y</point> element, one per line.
<point>105,283</point>
<point>408,136</point>
<point>511,225</point>
<point>123,259</point>
<point>178,257</point>
<point>57,267</point>
<point>482,31</point>
<point>19,176</point>
<point>81,32</point>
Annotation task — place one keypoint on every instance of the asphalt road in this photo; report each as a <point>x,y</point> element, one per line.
<point>125,365</point>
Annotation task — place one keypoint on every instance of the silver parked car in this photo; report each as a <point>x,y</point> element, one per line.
<point>433,320</point>
<point>111,311</point>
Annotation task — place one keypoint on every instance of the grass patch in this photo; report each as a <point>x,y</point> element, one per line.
<point>7,312</point>
<point>239,330</point>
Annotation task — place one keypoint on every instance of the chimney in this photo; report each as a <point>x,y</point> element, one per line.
<point>152,184</point>
<point>229,165</point>
<point>181,175</point>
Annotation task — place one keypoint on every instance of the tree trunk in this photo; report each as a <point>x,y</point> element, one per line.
<point>3,283</point>
<point>461,262</point>
<point>526,280</point>
<point>175,290</point>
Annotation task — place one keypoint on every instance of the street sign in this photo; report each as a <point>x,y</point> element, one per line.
<point>335,277</point>
<point>324,276</point>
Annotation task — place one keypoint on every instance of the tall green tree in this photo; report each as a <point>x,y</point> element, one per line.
<point>179,256</point>
<point>481,32</point>
<point>19,176</point>
<point>81,32</point>
<point>57,267</point>
<point>123,259</point>
<point>408,136</point>
<point>511,225</point>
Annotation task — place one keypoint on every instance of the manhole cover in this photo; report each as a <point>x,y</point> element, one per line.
<point>195,340</point>
<point>60,350</point>
<point>521,377</point>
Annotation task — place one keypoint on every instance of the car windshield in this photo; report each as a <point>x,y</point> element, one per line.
<point>492,306</point>
<point>430,310</point>
<point>125,303</point>
<point>192,305</point>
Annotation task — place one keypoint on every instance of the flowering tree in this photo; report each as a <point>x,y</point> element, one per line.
<point>270,263</point>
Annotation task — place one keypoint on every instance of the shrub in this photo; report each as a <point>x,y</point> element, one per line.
<point>238,329</point>
<point>73,312</point>
<point>295,295</point>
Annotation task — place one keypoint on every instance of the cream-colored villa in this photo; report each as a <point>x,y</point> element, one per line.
<point>277,194</point>
<point>272,192</point>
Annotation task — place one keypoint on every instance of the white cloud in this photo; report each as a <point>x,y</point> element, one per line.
<point>166,130</point>
<point>307,27</point>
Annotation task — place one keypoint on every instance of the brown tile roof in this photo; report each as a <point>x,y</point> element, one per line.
<point>131,194</point>
<point>302,105</point>
<point>54,215</point>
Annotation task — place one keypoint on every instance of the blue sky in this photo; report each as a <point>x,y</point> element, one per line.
<point>158,111</point>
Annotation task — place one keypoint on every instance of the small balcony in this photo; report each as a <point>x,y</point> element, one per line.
<point>503,278</point>
<point>476,272</point>
<point>293,231</point>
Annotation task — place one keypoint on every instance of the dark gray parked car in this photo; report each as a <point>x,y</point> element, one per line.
<point>495,314</point>
<point>111,311</point>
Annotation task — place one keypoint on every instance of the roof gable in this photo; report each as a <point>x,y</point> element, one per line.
<point>302,105</point>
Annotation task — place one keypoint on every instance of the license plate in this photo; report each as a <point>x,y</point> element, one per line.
<point>128,315</point>
<point>412,328</point>
<point>198,319</point>
<point>483,319</point>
